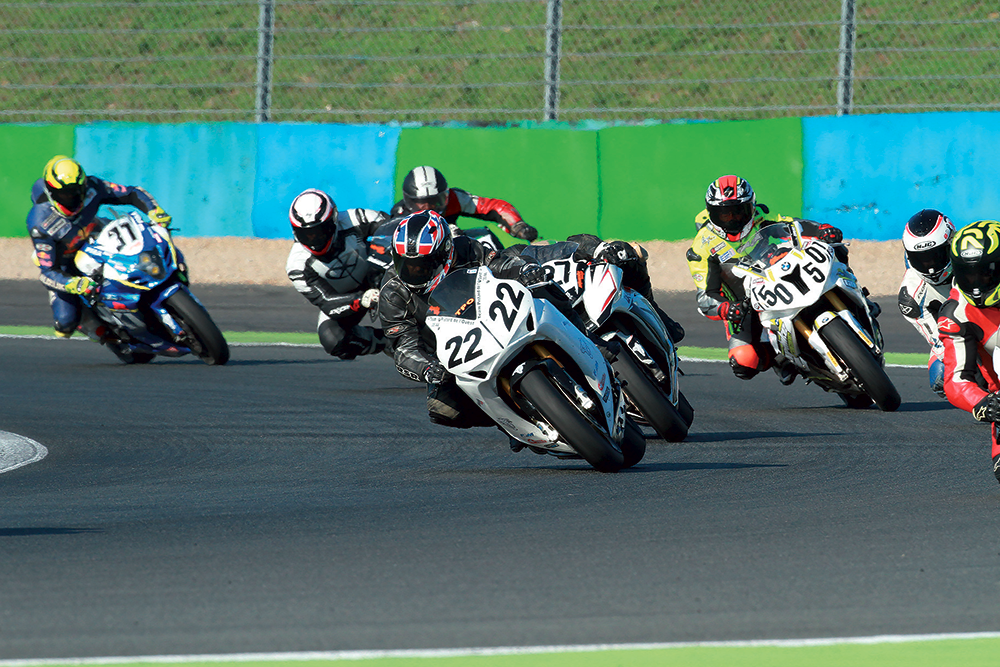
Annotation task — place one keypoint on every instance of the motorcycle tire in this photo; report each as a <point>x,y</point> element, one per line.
<point>861,364</point>
<point>206,340</point>
<point>568,419</point>
<point>131,358</point>
<point>685,409</point>
<point>633,444</point>
<point>648,396</point>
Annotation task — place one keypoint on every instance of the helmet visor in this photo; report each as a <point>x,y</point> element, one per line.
<point>930,262</point>
<point>732,217</point>
<point>978,281</point>
<point>418,272</point>
<point>70,196</point>
<point>315,238</point>
<point>432,203</point>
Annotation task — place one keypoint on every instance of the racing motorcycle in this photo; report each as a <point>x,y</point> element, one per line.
<point>647,363</point>
<point>143,306</point>
<point>531,370</point>
<point>816,315</point>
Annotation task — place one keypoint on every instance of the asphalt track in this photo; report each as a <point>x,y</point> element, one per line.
<point>291,502</point>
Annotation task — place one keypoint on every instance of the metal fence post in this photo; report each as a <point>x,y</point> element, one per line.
<point>265,59</point>
<point>553,45</point>
<point>845,80</point>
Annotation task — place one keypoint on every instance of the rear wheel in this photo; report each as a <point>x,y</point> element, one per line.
<point>573,425</point>
<point>202,335</point>
<point>649,397</point>
<point>861,364</point>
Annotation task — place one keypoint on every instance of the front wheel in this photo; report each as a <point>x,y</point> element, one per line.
<point>861,364</point>
<point>575,427</point>
<point>650,399</point>
<point>201,333</point>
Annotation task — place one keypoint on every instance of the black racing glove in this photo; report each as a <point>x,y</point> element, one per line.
<point>988,409</point>
<point>618,253</point>
<point>830,234</point>
<point>735,312</point>
<point>524,231</point>
<point>435,374</point>
<point>532,274</point>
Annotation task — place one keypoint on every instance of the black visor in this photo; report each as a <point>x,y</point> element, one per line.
<point>433,203</point>
<point>70,196</point>
<point>975,279</point>
<point>315,238</point>
<point>731,217</point>
<point>930,262</point>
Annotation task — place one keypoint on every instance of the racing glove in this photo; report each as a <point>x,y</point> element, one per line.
<point>82,286</point>
<point>830,234</point>
<point>369,298</point>
<point>532,274</point>
<point>159,217</point>
<point>435,374</point>
<point>988,409</point>
<point>734,312</point>
<point>618,253</point>
<point>524,231</point>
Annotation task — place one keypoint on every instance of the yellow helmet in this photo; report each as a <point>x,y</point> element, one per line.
<point>65,184</point>
<point>975,258</point>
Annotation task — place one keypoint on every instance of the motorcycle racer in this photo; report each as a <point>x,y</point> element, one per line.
<point>968,324</point>
<point>927,282</point>
<point>425,189</point>
<point>424,251</point>
<point>328,265</point>
<point>630,258</point>
<point>725,229</point>
<point>63,216</point>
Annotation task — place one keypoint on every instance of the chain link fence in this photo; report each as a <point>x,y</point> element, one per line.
<point>492,61</point>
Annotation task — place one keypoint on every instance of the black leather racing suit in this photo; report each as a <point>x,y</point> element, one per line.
<point>403,316</point>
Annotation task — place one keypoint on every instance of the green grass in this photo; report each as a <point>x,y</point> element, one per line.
<point>484,60</point>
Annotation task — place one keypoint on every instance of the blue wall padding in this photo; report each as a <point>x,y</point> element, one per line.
<point>201,174</point>
<point>355,164</point>
<point>869,174</point>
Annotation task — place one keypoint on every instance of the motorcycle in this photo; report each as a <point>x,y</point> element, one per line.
<point>143,306</point>
<point>648,361</point>
<point>816,315</point>
<point>538,377</point>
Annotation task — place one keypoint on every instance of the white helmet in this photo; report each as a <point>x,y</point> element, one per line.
<point>925,244</point>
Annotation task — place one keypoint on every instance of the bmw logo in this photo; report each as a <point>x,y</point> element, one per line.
<point>785,266</point>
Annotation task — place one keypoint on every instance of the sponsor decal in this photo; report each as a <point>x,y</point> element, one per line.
<point>969,253</point>
<point>726,256</point>
<point>785,266</point>
<point>699,277</point>
<point>906,309</point>
<point>948,326</point>
<point>434,310</point>
<point>464,306</point>
<point>923,245</point>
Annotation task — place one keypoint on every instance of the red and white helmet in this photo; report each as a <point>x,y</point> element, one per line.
<point>313,215</point>
<point>422,250</point>
<point>732,207</point>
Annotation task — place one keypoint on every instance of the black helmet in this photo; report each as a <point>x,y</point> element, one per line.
<point>975,258</point>
<point>925,244</point>
<point>65,185</point>
<point>732,207</point>
<point>313,215</point>
<point>424,188</point>
<point>422,250</point>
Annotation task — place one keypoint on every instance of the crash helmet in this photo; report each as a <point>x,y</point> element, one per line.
<point>424,188</point>
<point>925,244</point>
<point>65,185</point>
<point>732,207</point>
<point>313,215</point>
<point>422,250</point>
<point>975,260</point>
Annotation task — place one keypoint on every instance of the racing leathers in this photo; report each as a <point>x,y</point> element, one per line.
<point>342,284</point>
<point>920,303</point>
<point>57,238</point>
<point>404,314</point>
<point>587,247</point>
<point>461,203</point>
<point>721,296</point>
<point>969,337</point>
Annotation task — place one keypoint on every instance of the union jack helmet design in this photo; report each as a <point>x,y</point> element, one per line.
<point>422,250</point>
<point>732,207</point>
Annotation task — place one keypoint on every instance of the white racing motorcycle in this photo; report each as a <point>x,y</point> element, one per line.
<point>535,374</point>
<point>816,315</point>
<point>647,363</point>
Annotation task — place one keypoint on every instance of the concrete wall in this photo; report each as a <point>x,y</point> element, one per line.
<point>866,174</point>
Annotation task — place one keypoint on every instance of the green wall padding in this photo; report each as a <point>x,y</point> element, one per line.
<point>25,149</point>
<point>653,178</point>
<point>550,176</point>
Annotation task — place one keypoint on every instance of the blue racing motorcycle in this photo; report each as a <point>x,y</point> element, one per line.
<point>143,306</point>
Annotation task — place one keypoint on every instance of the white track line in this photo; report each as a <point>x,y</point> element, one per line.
<point>500,650</point>
<point>17,451</point>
